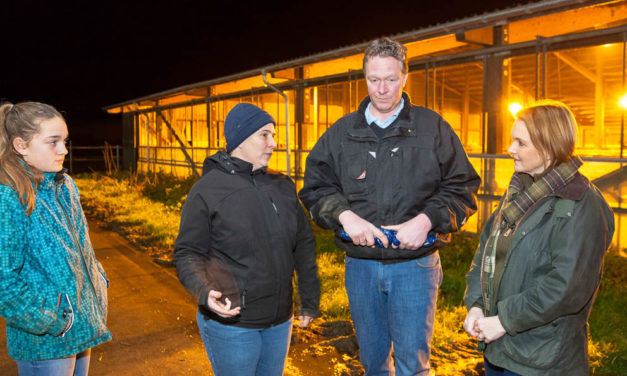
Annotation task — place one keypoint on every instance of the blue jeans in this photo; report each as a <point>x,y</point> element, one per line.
<point>393,303</point>
<point>76,365</point>
<point>492,370</point>
<point>235,351</point>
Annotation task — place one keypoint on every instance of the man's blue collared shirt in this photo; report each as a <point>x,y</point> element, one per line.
<point>370,118</point>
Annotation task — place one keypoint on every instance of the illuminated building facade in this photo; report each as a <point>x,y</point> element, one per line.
<point>472,71</point>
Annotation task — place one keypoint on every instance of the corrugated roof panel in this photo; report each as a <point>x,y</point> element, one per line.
<point>531,9</point>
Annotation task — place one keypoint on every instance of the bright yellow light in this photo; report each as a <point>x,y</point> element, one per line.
<point>607,45</point>
<point>514,108</point>
<point>623,101</point>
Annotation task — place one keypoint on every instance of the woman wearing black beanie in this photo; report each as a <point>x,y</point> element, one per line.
<point>243,233</point>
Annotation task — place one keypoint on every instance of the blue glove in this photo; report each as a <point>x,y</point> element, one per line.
<point>391,235</point>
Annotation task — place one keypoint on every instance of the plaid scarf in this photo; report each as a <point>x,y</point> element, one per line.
<point>519,199</point>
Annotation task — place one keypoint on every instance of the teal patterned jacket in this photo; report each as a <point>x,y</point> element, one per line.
<point>49,275</point>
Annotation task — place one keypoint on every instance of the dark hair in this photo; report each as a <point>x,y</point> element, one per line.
<point>23,121</point>
<point>386,47</point>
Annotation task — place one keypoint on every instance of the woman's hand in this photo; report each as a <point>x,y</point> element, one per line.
<point>304,321</point>
<point>470,323</point>
<point>221,309</point>
<point>490,329</point>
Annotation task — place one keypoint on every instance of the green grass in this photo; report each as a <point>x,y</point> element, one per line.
<point>147,211</point>
<point>607,320</point>
<point>456,259</point>
<point>122,206</point>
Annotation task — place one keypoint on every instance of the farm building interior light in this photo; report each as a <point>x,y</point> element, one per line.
<point>514,107</point>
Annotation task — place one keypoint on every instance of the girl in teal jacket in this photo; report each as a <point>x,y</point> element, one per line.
<point>53,291</point>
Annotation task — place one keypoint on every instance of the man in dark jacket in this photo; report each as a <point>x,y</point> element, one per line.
<point>243,233</point>
<point>398,166</point>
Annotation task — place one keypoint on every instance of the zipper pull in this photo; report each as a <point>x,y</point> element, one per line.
<point>509,228</point>
<point>244,299</point>
<point>274,206</point>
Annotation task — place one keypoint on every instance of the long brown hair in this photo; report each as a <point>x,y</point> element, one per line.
<point>21,120</point>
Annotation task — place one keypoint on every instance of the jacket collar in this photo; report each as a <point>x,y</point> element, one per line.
<point>51,178</point>
<point>575,189</point>
<point>361,130</point>
<point>404,114</point>
<point>232,165</point>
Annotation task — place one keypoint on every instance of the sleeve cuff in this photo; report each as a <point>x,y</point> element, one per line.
<point>309,312</point>
<point>339,210</point>
<point>432,214</point>
<point>57,328</point>
<point>475,304</point>
<point>63,322</point>
<point>202,298</point>
<point>504,322</point>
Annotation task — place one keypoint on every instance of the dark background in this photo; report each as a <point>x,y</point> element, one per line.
<point>80,56</point>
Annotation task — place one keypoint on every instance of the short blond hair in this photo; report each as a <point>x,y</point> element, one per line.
<point>386,47</point>
<point>552,128</point>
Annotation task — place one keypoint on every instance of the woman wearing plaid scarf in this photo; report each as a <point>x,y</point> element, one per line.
<point>538,266</point>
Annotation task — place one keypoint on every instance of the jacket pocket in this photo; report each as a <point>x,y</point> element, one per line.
<point>428,262</point>
<point>355,181</point>
<point>432,269</point>
<point>104,298</point>
<point>65,313</point>
<point>420,157</point>
<point>538,347</point>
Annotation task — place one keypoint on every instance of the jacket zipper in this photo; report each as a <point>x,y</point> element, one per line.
<point>75,238</point>
<point>276,211</point>
<point>275,208</point>
<point>481,275</point>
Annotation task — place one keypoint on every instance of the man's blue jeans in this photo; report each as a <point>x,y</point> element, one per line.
<point>394,303</point>
<point>77,365</point>
<point>235,351</point>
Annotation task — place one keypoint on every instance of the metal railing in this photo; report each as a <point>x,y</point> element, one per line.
<point>105,155</point>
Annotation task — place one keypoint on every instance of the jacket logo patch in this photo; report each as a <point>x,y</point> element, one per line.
<point>362,176</point>
<point>373,153</point>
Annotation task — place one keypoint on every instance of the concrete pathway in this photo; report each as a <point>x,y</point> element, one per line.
<point>151,317</point>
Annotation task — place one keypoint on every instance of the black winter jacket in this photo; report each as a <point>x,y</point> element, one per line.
<point>244,232</point>
<point>419,166</point>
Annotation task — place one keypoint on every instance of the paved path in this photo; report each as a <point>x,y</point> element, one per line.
<point>151,317</point>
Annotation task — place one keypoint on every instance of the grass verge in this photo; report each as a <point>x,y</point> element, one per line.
<point>147,212</point>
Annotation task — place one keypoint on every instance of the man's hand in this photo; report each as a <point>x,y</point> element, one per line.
<point>304,321</point>
<point>361,231</point>
<point>470,323</point>
<point>490,329</point>
<point>221,309</point>
<point>413,233</point>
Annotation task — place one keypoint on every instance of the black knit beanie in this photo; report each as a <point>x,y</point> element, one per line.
<point>242,121</point>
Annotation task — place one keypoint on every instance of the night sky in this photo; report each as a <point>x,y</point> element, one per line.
<point>80,56</point>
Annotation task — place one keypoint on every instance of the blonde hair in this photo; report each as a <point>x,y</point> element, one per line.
<point>386,47</point>
<point>552,129</point>
<point>21,120</point>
